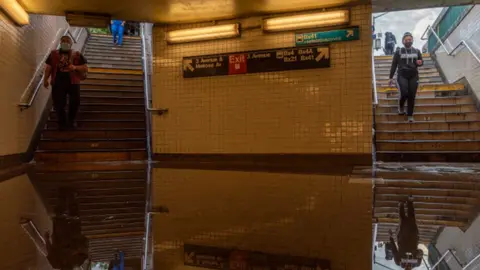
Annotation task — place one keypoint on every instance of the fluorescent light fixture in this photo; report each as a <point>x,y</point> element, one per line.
<point>13,10</point>
<point>204,33</point>
<point>305,21</point>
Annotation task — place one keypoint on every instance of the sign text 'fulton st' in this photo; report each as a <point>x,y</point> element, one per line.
<point>232,259</point>
<point>347,34</point>
<point>257,61</point>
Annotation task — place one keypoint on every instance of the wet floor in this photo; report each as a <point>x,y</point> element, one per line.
<point>327,217</point>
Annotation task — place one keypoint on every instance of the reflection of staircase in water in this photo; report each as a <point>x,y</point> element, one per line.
<point>111,201</point>
<point>444,195</point>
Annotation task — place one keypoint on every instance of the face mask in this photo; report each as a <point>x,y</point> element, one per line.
<point>65,46</point>
<point>408,44</point>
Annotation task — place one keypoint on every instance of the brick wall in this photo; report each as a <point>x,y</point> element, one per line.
<point>22,49</point>
<point>18,199</point>
<point>305,111</point>
<point>305,215</point>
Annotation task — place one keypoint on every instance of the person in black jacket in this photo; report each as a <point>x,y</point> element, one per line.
<point>407,255</point>
<point>406,60</point>
<point>390,42</point>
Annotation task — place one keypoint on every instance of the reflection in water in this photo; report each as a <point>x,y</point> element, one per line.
<point>68,247</point>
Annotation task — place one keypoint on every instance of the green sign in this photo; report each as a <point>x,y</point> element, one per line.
<point>347,34</point>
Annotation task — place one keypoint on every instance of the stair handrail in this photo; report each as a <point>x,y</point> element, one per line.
<point>471,262</point>
<point>374,81</point>
<point>27,97</point>
<point>450,53</point>
<point>39,235</point>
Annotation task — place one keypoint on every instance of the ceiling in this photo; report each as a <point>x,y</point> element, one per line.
<point>178,11</point>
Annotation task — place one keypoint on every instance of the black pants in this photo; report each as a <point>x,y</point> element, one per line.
<point>389,48</point>
<point>407,236</point>
<point>59,96</point>
<point>408,90</point>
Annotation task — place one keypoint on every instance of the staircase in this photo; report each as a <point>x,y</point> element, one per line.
<point>447,123</point>
<point>111,118</point>
<point>103,158</point>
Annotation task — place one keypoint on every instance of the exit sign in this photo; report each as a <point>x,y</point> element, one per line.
<point>347,34</point>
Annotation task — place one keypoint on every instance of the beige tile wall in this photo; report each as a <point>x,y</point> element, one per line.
<point>305,215</point>
<point>306,111</point>
<point>22,49</point>
<point>18,199</point>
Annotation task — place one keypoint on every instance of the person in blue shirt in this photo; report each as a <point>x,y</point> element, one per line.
<point>117,30</point>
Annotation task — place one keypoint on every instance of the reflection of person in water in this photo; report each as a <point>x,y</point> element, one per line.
<point>68,248</point>
<point>407,255</point>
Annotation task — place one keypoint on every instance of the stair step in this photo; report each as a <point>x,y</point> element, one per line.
<point>422,87</point>
<point>421,221</point>
<point>453,108</point>
<point>113,76</point>
<point>105,116</point>
<point>87,144</point>
<point>87,176</point>
<point>437,172</point>
<point>428,192</point>
<point>386,71</point>
<point>388,65</point>
<point>429,205</point>
<point>117,49</point>
<point>428,156</point>
<point>63,156</point>
<point>423,80</point>
<point>117,66</point>
<point>444,213</point>
<point>116,58</point>
<point>119,87</point>
<point>113,93</point>
<point>114,63</point>
<point>430,101</point>
<point>102,53</point>
<point>433,116</point>
<point>424,94</point>
<point>116,100</point>
<point>426,198</point>
<point>428,125</point>
<point>111,107</point>
<point>80,133</point>
<point>113,123</point>
<point>428,135</point>
<point>429,74</point>
<point>405,183</point>
<point>116,82</point>
<point>428,145</point>
<point>109,44</point>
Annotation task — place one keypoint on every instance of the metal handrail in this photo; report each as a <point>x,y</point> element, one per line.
<point>462,42</point>
<point>26,94</point>
<point>471,262</point>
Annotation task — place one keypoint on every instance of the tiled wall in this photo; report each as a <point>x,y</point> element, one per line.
<point>22,49</point>
<point>18,199</point>
<point>268,212</point>
<point>306,111</point>
<point>463,64</point>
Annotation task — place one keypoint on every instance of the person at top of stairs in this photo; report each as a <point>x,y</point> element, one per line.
<point>117,30</point>
<point>65,69</point>
<point>406,60</point>
<point>407,255</point>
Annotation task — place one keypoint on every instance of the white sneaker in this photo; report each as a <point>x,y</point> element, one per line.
<point>410,119</point>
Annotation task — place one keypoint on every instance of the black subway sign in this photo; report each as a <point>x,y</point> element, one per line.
<point>257,61</point>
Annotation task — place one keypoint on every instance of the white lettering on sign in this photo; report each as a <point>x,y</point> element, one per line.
<point>305,51</point>
<point>261,55</point>
<point>309,36</point>
<point>208,60</point>
<point>212,65</point>
<point>307,57</point>
<point>290,59</point>
<point>237,59</point>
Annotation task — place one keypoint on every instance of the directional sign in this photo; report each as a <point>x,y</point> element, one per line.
<point>257,61</point>
<point>347,34</point>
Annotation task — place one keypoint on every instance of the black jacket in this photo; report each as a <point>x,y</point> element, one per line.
<point>406,61</point>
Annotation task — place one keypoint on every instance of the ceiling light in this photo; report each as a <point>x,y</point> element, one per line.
<point>13,9</point>
<point>204,33</point>
<point>305,21</point>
